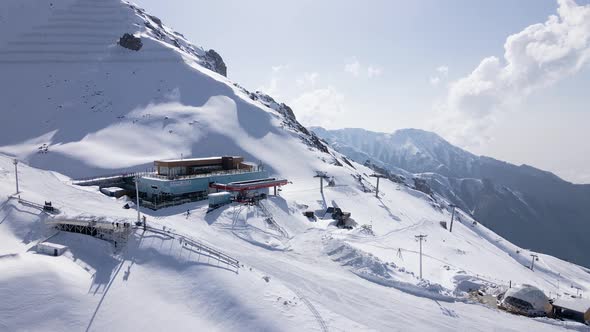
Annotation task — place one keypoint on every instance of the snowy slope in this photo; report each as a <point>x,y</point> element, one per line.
<point>530,207</point>
<point>77,102</point>
<point>110,109</point>
<point>318,274</point>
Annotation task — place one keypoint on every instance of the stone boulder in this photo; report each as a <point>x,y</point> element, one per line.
<point>131,42</point>
<point>217,62</point>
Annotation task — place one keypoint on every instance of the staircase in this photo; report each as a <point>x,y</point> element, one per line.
<point>271,221</point>
<point>198,246</point>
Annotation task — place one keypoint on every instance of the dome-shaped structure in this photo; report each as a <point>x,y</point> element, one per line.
<point>526,300</point>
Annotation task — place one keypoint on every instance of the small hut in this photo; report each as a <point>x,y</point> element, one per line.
<point>577,309</point>
<point>51,249</point>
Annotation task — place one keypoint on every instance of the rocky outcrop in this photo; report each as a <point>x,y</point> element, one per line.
<point>289,120</point>
<point>155,27</point>
<point>217,62</point>
<point>131,42</point>
<point>422,185</point>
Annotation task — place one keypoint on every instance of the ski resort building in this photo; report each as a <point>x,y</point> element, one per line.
<point>183,180</point>
<point>577,309</point>
<point>175,168</point>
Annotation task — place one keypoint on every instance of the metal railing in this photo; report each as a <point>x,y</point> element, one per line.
<point>112,176</point>
<point>202,175</point>
<point>212,252</point>
<point>271,220</point>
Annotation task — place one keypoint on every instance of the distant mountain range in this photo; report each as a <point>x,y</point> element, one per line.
<point>530,207</point>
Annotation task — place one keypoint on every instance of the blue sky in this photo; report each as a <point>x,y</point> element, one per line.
<point>385,65</point>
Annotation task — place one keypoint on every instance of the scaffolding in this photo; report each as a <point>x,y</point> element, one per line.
<point>116,232</point>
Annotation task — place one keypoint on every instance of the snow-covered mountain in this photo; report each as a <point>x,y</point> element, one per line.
<point>530,207</point>
<point>76,103</point>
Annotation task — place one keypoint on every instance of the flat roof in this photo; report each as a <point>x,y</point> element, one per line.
<point>577,304</point>
<point>220,194</point>
<point>187,159</point>
<point>165,178</point>
<point>53,245</point>
<point>112,189</point>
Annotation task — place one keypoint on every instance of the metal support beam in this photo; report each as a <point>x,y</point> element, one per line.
<point>378,176</point>
<point>421,238</point>
<point>15,162</point>
<point>534,257</point>
<point>321,175</point>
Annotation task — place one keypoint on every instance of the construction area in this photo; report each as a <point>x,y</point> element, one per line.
<point>116,232</point>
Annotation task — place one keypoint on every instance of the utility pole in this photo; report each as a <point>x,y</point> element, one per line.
<point>378,176</point>
<point>321,175</point>
<point>534,256</point>
<point>421,238</point>
<point>15,162</point>
<point>452,217</point>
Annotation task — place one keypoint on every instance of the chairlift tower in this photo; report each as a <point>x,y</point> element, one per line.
<point>421,238</point>
<point>321,175</point>
<point>534,257</point>
<point>378,176</point>
<point>453,206</point>
<point>578,290</point>
<point>15,162</point>
<point>137,199</point>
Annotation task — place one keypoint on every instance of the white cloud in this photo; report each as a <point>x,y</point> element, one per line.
<point>318,107</point>
<point>534,58</point>
<point>308,79</point>
<point>442,73</point>
<point>278,68</point>
<point>443,70</point>
<point>374,71</point>
<point>272,87</point>
<point>354,67</point>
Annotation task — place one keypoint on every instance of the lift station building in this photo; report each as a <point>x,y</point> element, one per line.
<point>183,180</point>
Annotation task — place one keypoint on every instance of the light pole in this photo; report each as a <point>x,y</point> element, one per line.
<point>15,162</point>
<point>452,217</point>
<point>421,238</point>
